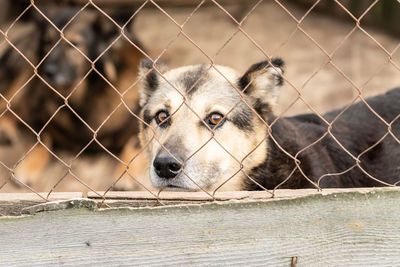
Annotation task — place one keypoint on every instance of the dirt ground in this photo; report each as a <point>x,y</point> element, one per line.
<point>322,87</point>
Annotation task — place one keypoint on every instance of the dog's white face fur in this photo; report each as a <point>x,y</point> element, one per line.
<point>202,121</point>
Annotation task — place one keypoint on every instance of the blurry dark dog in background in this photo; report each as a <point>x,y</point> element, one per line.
<point>72,106</point>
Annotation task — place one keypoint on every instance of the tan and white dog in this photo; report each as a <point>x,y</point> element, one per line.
<point>206,127</point>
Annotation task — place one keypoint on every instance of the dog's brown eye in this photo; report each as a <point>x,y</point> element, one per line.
<point>215,119</point>
<point>161,116</point>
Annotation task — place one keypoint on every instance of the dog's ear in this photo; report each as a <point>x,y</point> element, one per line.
<point>262,82</point>
<point>106,32</point>
<point>149,79</point>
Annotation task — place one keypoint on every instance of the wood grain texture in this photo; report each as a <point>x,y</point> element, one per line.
<point>344,229</point>
<point>14,204</point>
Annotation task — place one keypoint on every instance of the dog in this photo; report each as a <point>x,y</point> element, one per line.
<point>207,128</point>
<point>92,99</point>
<point>71,105</point>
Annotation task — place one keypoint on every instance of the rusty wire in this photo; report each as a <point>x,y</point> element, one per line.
<point>211,59</point>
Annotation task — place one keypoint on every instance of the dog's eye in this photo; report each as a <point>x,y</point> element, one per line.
<point>215,119</point>
<point>74,43</point>
<point>161,116</point>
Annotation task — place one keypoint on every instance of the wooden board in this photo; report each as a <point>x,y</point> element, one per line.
<point>14,203</point>
<point>340,229</point>
<point>228,195</point>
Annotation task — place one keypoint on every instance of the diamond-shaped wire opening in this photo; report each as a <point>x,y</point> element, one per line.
<point>64,69</point>
<point>161,40</point>
<point>131,173</point>
<point>13,14</point>
<point>20,46</point>
<point>27,104</point>
<point>15,89</point>
<point>26,156</point>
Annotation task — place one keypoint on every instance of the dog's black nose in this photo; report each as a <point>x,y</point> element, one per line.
<point>50,70</point>
<point>166,166</point>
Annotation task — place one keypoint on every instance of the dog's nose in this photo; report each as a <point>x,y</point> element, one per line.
<point>50,70</point>
<point>166,166</point>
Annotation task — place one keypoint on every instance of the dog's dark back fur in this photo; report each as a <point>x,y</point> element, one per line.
<point>357,129</point>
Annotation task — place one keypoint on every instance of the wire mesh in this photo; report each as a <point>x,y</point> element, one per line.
<point>102,94</point>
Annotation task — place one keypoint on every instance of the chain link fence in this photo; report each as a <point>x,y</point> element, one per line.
<point>69,88</point>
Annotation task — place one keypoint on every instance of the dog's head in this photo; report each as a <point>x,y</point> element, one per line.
<point>87,35</point>
<point>205,124</point>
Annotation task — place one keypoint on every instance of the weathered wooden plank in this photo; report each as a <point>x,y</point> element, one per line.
<point>228,195</point>
<point>341,229</point>
<point>14,203</point>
